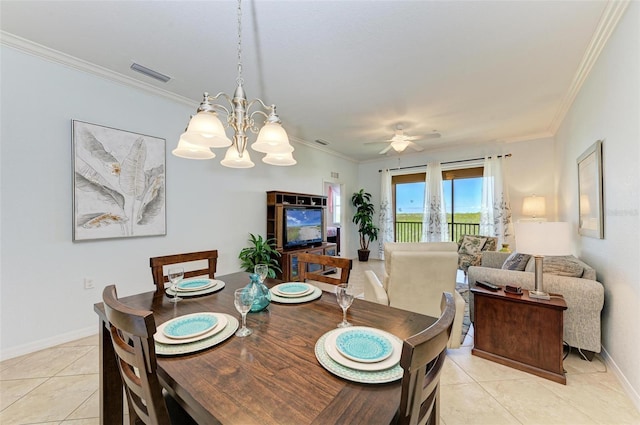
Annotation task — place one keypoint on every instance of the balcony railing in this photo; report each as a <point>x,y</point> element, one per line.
<point>410,231</point>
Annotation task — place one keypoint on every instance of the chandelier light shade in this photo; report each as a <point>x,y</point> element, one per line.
<point>281,159</point>
<point>232,159</point>
<point>206,130</point>
<point>191,151</point>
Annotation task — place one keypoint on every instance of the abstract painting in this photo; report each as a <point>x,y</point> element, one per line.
<point>118,183</point>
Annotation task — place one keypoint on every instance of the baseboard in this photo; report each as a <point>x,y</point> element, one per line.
<point>626,385</point>
<point>46,343</point>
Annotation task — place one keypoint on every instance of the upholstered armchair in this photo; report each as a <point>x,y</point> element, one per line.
<point>416,275</point>
<point>470,248</point>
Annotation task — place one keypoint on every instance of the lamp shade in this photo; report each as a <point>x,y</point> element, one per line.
<point>543,238</point>
<point>272,139</point>
<point>206,129</point>
<point>190,151</point>
<point>534,206</point>
<point>233,160</point>
<point>282,159</point>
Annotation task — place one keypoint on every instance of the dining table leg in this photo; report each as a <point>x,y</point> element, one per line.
<point>111,406</point>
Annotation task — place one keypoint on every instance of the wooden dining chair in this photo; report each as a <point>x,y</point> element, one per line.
<point>132,337</point>
<point>422,359</point>
<point>158,263</point>
<point>325,262</point>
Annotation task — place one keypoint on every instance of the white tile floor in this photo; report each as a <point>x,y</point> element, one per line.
<point>59,385</point>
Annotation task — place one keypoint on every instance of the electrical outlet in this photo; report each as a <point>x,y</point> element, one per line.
<point>88,283</point>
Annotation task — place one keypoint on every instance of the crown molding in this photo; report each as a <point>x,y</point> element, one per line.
<point>55,56</point>
<point>607,24</point>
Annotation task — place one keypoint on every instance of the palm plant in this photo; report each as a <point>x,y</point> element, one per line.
<point>363,218</point>
<point>261,251</point>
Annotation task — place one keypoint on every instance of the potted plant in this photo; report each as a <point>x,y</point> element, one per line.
<point>363,218</point>
<point>261,251</point>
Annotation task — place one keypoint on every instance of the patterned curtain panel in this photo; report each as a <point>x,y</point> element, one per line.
<point>434,218</point>
<point>495,213</point>
<point>386,233</point>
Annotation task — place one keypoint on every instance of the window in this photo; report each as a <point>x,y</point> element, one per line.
<point>462,191</point>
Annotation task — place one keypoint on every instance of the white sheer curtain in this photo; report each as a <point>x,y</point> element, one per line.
<point>495,213</point>
<point>386,233</point>
<point>434,217</point>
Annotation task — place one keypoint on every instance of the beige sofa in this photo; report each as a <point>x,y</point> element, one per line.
<point>416,275</point>
<point>583,294</point>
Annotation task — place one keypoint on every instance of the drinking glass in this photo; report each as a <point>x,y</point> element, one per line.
<point>243,300</point>
<point>345,298</point>
<point>175,275</point>
<point>262,270</point>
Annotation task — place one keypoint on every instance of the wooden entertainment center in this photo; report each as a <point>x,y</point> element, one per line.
<point>276,204</point>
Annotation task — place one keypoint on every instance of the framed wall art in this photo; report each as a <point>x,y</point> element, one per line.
<point>118,183</point>
<point>590,198</point>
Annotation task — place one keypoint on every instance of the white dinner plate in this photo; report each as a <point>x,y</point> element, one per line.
<point>218,285</point>
<point>390,374</point>
<point>195,284</point>
<point>191,347</point>
<point>159,336</point>
<point>334,353</point>
<point>293,289</point>
<point>316,293</point>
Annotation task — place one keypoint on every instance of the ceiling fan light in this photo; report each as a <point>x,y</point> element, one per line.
<point>280,159</point>
<point>191,151</point>
<point>272,139</point>
<point>232,159</point>
<point>206,129</point>
<point>399,145</point>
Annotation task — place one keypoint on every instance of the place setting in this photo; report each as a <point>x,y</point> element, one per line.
<point>193,332</point>
<point>359,353</point>
<point>294,292</point>
<point>193,287</point>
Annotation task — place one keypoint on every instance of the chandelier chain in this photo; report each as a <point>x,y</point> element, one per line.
<point>240,80</point>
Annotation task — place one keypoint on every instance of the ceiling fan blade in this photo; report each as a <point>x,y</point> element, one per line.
<point>415,147</point>
<point>385,150</point>
<point>377,142</point>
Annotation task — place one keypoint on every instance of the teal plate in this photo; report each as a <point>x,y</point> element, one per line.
<point>190,325</point>
<point>363,346</point>
<point>391,374</point>
<point>194,284</point>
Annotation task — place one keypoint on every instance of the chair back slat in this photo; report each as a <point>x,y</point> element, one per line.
<point>422,359</point>
<point>132,337</point>
<point>157,265</point>
<point>325,261</point>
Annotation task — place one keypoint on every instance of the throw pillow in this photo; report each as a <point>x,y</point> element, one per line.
<point>491,244</point>
<point>516,262</point>
<point>566,265</point>
<point>471,244</point>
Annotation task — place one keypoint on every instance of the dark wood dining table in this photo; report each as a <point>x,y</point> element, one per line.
<point>269,377</point>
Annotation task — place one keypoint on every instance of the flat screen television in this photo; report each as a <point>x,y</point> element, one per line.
<point>302,226</point>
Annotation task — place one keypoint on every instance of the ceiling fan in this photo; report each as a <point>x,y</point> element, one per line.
<point>400,141</point>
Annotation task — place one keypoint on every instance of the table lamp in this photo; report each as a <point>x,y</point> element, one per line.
<point>539,239</point>
<point>534,206</point>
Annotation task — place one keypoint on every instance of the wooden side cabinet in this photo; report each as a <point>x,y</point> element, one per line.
<point>520,332</point>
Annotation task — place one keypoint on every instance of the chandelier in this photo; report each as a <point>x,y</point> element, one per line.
<point>206,131</point>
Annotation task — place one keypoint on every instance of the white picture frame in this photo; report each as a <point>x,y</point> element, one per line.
<point>590,194</point>
<point>118,183</point>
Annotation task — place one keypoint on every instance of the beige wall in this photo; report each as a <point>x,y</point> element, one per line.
<point>608,108</point>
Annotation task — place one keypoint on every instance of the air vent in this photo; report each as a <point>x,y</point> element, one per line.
<point>149,72</point>
<point>322,142</point>
<point>335,175</point>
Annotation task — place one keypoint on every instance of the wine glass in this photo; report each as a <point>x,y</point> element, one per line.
<point>345,298</point>
<point>243,300</point>
<point>262,270</point>
<point>175,275</point>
